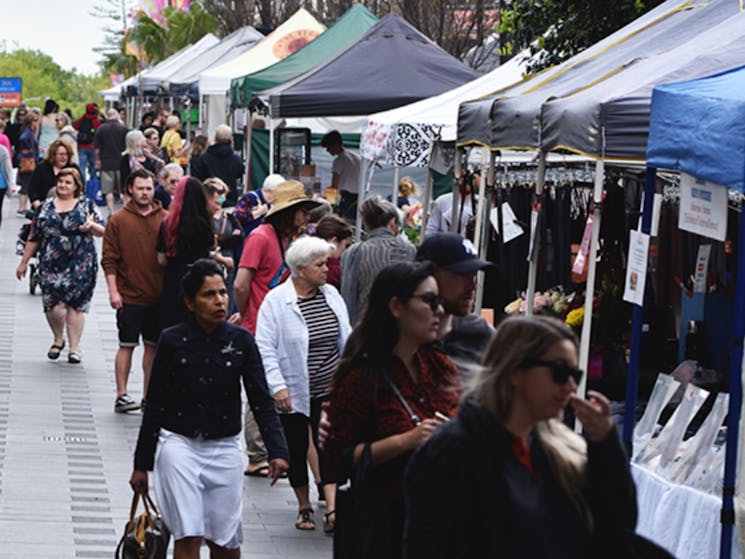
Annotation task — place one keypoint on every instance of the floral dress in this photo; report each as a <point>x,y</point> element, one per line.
<point>67,256</point>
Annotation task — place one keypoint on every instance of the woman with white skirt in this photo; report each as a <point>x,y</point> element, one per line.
<point>191,426</point>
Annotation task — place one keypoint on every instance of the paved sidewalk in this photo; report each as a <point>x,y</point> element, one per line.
<point>66,457</point>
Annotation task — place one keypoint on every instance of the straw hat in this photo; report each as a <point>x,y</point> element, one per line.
<point>289,194</point>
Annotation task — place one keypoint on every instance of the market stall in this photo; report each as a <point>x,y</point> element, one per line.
<point>697,128</point>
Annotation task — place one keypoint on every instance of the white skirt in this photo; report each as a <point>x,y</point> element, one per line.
<point>199,487</point>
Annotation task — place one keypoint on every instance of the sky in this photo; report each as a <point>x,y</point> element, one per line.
<point>64,30</point>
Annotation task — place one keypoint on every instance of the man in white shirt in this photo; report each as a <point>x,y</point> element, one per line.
<point>345,173</point>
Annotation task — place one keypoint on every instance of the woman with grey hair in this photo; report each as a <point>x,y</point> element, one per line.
<point>523,483</point>
<point>135,157</point>
<point>301,330</point>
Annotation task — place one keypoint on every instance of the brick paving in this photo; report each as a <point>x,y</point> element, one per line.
<point>66,457</point>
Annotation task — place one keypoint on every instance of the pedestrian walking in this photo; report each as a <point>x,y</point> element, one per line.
<point>301,331</point>
<point>86,126</point>
<point>28,157</point>
<point>338,232</point>
<point>109,142</point>
<point>219,160</point>
<point>389,365</point>
<point>44,178</point>
<point>169,176</point>
<point>193,419</point>
<point>62,232</point>
<point>135,280</point>
<point>523,483</point>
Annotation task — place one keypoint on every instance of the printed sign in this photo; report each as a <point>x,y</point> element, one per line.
<point>636,270</point>
<point>10,92</point>
<point>703,207</point>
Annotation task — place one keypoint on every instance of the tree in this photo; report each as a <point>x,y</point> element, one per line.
<point>116,58</point>
<point>456,26</point>
<point>43,78</point>
<point>554,30</point>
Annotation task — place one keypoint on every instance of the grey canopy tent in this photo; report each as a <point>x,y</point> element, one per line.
<point>510,119</point>
<point>391,65</point>
<point>611,118</point>
<point>185,80</point>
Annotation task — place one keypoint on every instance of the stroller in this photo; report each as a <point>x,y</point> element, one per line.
<point>33,263</point>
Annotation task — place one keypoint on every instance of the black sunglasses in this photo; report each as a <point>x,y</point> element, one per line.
<point>560,371</point>
<point>434,301</point>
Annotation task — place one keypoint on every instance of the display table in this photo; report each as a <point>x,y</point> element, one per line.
<point>681,519</point>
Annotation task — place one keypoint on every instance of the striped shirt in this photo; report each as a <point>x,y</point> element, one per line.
<point>323,353</point>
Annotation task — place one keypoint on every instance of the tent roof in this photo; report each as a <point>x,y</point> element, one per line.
<point>611,118</point>
<point>390,65</point>
<point>149,79</point>
<point>515,113</point>
<point>384,132</point>
<point>238,42</point>
<point>677,140</point>
<point>293,34</point>
<point>347,29</point>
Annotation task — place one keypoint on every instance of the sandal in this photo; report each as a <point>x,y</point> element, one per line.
<point>329,521</point>
<point>73,357</point>
<point>305,520</point>
<point>55,350</point>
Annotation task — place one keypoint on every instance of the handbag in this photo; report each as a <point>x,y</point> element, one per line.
<point>361,525</point>
<point>27,165</point>
<point>93,192</point>
<point>145,536</point>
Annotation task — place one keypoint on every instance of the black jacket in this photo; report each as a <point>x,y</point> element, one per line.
<point>43,180</point>
<point>195,389</point>
<point>220,161</point>
<point>497,509</point>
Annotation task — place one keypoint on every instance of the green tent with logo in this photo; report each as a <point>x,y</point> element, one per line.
<point>347,29</point>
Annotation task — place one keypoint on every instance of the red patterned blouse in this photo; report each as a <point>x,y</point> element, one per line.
<point>361,411</point>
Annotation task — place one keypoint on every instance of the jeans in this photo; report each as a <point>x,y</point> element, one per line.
<point>87,164</point>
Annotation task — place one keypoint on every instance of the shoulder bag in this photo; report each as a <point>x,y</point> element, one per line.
<point>361,503</point>
<point>145,536</point>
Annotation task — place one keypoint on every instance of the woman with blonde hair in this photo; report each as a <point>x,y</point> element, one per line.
<point>523,484</point>
<point>67,133</point>
<point>171,142</point>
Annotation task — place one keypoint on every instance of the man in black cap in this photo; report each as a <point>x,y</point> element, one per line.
<point>463,335</point>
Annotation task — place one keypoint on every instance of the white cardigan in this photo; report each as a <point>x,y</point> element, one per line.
<point>282,337</point>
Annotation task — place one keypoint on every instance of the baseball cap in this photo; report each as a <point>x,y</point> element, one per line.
<point>452,252</point>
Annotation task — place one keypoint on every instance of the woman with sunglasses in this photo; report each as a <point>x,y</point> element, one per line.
<point>389,364</point>
<point>523,484</point>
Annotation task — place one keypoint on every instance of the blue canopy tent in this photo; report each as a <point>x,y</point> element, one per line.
<point>698,127</point>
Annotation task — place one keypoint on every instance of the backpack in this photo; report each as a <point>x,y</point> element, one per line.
<point>86,130</point>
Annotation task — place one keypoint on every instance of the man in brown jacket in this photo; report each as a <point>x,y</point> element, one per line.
<point>134,279</point>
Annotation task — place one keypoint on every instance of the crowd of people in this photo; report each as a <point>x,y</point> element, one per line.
<point>363,360</point>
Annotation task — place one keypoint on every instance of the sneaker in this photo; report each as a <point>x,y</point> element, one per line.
<point>124,404</point>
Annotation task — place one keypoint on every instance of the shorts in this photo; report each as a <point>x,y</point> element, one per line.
<point>199,487</point>
<point>135,320</point>
<point>110,182</point>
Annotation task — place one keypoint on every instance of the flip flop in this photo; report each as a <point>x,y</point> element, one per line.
<point>263,471</point>
<point>55,350</point>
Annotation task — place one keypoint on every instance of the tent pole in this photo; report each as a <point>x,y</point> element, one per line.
<point>540,179</point>
<point>199,112</point>
<point>480,234</point>
<point>426,202</point>
<point>271,145</point>
<point>735,402</point>
<point>360,198</point>
<point>584,346</point>
<point>396,172</point>
<point>247,125</point>
<point>456,192</point>
<point>632,379</point>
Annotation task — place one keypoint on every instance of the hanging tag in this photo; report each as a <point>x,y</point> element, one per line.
<point>511,229</point>
<point>636,268</point>
<point>584,249</point>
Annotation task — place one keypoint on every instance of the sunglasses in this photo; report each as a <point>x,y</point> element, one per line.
<point>433,300</point>
<point>560,371</point>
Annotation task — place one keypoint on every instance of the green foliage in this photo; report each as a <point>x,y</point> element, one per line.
<point>179,29</point>
<point>555,30</point>
<point>43,78</point>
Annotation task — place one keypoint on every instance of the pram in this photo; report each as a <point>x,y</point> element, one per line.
<point>33,263</point>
